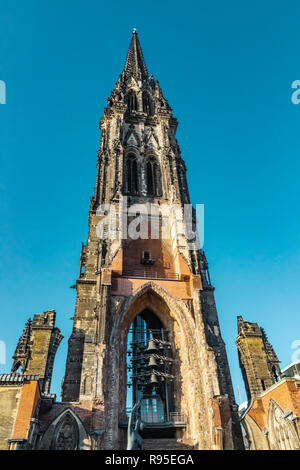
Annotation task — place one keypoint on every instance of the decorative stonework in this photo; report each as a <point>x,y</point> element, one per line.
<point>159,281</point>
<point>66,434</point>
<point>139,158</point>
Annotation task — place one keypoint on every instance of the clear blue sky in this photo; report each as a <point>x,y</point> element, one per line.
<point>226,69</point>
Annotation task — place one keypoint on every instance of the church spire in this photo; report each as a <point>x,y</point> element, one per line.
<point>135,63</point>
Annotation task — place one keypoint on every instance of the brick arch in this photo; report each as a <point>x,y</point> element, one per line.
<point>179,313</point>
<point>178,320</point>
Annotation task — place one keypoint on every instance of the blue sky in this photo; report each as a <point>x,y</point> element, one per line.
<point>226,69</point>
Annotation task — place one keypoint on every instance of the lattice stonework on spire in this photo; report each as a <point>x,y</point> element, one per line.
<point>135,63</point>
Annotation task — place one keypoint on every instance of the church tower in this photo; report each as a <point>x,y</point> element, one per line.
<point>258,360</point>
<point>145,325</point>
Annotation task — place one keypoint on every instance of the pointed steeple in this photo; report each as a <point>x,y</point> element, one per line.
<point>22,352</point>
<point>135,64</point>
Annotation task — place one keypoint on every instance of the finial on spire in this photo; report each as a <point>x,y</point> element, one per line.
<point>134,31</point>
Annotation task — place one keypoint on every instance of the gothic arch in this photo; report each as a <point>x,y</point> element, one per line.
<point>179,314</point>
<point>66,432</point>
<point>153,176</point>
<point>147,103</point>
<point>131,172</point>
<point>131,151</point>
<point>178,320</point>
<point>65,436</point>
<point>282,432</point>
<point>131,101</point>
<point>256,439</point>
<point>132,138</point>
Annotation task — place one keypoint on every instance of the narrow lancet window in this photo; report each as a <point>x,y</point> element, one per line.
<point>153,178</point>
<point>132,175</point>
<point>131,101</point>
<point>150,179</point>
<point>147,103</point>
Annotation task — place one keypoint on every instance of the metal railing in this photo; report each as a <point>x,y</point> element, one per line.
<point>156,417</point>
<point>145,274</point>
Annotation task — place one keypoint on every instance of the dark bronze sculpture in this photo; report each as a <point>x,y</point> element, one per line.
<point>134,439</point>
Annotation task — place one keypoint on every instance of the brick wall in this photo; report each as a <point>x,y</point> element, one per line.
<point>30,395</point>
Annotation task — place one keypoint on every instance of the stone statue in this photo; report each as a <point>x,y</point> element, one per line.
<point>134,439</point>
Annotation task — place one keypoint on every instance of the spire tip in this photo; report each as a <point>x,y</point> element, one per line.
<point>135,63</point>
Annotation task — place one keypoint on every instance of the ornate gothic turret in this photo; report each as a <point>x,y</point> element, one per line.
<point>37,347</point>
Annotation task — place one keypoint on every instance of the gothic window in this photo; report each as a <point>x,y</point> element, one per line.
<point>132,175</point>
<point>66,435</point>
<point>131,101</point>
<point>147,103</point>
<point>153,178</point>
<point>149,367</point>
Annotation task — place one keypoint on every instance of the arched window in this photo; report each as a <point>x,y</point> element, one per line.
<point>153,178</point>
<point>147,103</point>
<point>66,434</point>
<point>132,174</point>
<point>131,101</point>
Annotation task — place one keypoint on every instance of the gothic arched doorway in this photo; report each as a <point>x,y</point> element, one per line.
<point>149,368</point>
<point>185,396</point>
